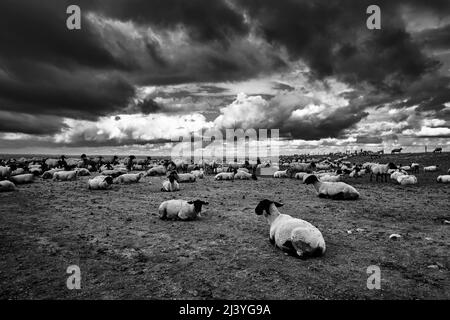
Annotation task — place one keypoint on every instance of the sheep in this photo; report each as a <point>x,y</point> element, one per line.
<point>397,174</point>
<point>198,173</point>
<point>5,172</point>
<point>443,179</point>
<point>330,178</point>
<point>7,186</point>
<point>225,175</point>
<point>431,168</point>
<point>129,178</point>
<point>113,173</point>
<point>171,184</point>
<point>415,167</point>
<point>49,173</point>
<point>293,236</point>
<point>65,175</point>
<point>406,180</point>
<point>300,167</point>
<point>18,171</point>
<point>156,171</point>
<point>22,178</point>
<point>83,172</point>
<point>100,183</point>
<point>381,170</point>
<point>186,177</point>
<point>242,175</point>
<point>243,169</point>
<point>181,209</point>
<point>333,190</point>
<point>280,174</point>
<point>300,175</point>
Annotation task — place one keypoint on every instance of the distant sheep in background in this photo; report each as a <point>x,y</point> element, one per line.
<point>431,168</point>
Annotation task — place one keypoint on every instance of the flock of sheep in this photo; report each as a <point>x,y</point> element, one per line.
<point>293,236</point>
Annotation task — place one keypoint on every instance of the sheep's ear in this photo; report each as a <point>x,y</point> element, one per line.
<point>277,204</point>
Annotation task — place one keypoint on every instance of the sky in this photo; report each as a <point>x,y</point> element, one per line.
<point>140,73</point>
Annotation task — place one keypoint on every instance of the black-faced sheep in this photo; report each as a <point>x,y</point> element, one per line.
<point>100,183</point>
<point>333,190</point>
<point>181,209</point>
<point>292,235</point>
<point>171,184</point>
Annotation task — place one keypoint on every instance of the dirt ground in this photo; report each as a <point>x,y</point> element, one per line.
<point>125,251</point>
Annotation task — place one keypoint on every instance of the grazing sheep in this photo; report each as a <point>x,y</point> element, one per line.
<point>186,177</point>
<point>381,170</point>
<point>180,209</point>
<point>100,183</point>
<point>65,175</point>
<point>22,178</point>
<point>7,186</point>
<point>225,175</point>
<point>171,184</point>
<point>431,168</point>
<point>280,174</point>
<point>129,178</point>
<point>333,190</point>
<point>242,175</point>
<point>292,235</point>
<point>443,179</point>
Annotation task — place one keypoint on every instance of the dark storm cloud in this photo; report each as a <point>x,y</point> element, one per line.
<point>30,124</point>
<point>436,38</point>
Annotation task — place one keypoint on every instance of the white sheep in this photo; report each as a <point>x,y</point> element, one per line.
<point>171,184</point>
<point>49,173</point>
<point>292,235</point>
<point>129,178</point>
<point>65,175</point>
<point>406,180</point>
<point>431,168</point>
<point>100,183</point>
<point>330,178</point>
<point>186,177</point>
<point>225,175</point>
<point>7,186</point>
<point>156,171</point>
<point>180,209</point>
<point>398,173</point>
<point>443,179</point>
<point>5,172</point>
<point>381,170</point>
<point>242,175</point>
<point>300,175</point>
<point>198,173</point>
<point>280,174</point>
<point>333,190</point>
<point>83,172</point>
<point>22,178</point>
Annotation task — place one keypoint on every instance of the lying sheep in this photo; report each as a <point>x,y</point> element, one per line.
<point>292,235</point>
<point>180,209</point>
<point>243,169</point>
<point>156,171</point>
<point>65,175</point>
<point>330,178</point>
<point>49,173</point>
<point>5,172</point>
<point>7,186</point>
<point>171,184</point>
<point>225,175</point>
<point>406,180</point>
<point>18,171</point>
<point>398,173</point>
<point>242,175</point>
<point>280,174</point>
<point>129,178</point>
<point>22,178</point>
<point>333,190</point>
<point>300,175</point>
<point>83,172</point>
<point>186,177</point>
<point>100,183</point>
<point>443,179</point>
<point>198,173</point>
<point>431,168</point>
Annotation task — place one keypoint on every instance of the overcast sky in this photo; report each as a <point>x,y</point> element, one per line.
<point>140,72</point>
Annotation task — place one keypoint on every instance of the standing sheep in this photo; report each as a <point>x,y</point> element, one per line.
<point>333,190</point>
<point>180,209</point>
<point>292,235</point>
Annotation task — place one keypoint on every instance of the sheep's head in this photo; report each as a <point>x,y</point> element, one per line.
<point>108,180</point>
<point>173,176</point>
<point>264,205</point>
<point>310,179</point>
<point>254,176</point>
<point>392,165</point>
<point>198,204</point>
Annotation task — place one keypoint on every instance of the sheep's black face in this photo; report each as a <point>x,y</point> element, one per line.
<point>254,177</point>
<point>264,205</point>
<point>109,180</point>
<point>311,179</point>
<point>198,204</point>
<point>392,166</point>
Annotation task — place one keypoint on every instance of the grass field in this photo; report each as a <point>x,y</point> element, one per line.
<point>125,251</point>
